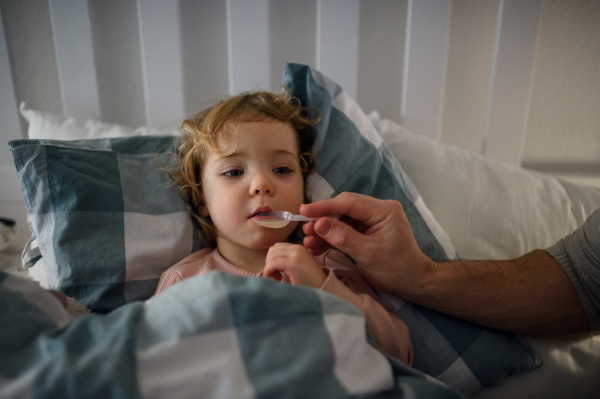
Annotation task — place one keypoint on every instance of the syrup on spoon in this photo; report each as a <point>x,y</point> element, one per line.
<point>279,219</point>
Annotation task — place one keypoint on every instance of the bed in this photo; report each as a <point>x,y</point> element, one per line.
<point>474,203</point>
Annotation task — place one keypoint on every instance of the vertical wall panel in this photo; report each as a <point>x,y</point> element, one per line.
<point>160,40</point>
<point>563,126</point>
<point>293,35</point>
<point>9,115</point>
<point>337,41</point>
<point>75,58</point>
<point>116,40</point>
<point>204,43</point>
<point>426,50</point>
<point>470,59</point>
<point>248,45</point>
<point>381,56</point>
<point>512,80</point>
<point>31,50</point>
<point>12,204</point>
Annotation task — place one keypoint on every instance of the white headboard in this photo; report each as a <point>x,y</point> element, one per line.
<point>515,80</point>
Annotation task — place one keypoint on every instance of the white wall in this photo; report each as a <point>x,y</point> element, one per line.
<point>380,67</point>
<point>564,118</point>
<point>369,46</point>
<point>562,131</point>
<point>11,201</point>
<point>470,59</point>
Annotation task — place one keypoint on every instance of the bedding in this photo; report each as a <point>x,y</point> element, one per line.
<point>490,210</point>
<point>107,218</point>
<point>274,340</point>
<point>43,125</point>
<point>494,210</point>
<point>104,239</point>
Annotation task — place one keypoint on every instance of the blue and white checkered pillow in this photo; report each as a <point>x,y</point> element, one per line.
<point>107,217</point>
<point>352,156</point>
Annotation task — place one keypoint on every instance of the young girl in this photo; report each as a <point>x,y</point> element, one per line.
<point>247,155</point>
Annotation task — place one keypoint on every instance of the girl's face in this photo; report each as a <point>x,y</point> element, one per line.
<point>262,174</point>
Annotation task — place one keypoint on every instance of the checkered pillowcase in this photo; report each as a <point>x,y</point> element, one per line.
<point>107,217</point>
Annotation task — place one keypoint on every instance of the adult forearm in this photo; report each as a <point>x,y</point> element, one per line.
<point>529,295</point>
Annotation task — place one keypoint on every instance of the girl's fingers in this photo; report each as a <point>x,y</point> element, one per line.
<point>274,274</point>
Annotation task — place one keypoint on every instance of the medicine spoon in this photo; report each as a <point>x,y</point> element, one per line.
<point>279,219</point>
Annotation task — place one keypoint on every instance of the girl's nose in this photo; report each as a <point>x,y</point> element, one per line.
<point>261,185</point>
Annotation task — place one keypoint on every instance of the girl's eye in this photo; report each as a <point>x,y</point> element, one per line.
<point>234,173</point>
<point>282,170</point>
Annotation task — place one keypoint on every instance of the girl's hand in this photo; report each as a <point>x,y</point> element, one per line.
<point>296,262</point>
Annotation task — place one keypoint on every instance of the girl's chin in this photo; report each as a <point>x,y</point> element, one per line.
<point>266,241</point>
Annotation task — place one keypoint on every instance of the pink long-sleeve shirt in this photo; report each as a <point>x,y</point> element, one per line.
<point>343,279</point>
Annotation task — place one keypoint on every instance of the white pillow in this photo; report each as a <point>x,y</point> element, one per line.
<point>490,210</point>
<point>43,125</point>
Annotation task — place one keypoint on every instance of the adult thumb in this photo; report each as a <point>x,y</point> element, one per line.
<point>338,234</point>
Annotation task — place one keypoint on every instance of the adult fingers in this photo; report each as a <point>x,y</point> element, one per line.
<point>312,242</point>
<point>361,208</point>
<point>309,228</point>
<point>342,236</point>
<point>316,245</point>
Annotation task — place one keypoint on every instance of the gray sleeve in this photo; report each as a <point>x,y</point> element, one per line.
<point>579,255</point>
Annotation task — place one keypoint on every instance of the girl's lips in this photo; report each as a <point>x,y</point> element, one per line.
<point>262,209</point>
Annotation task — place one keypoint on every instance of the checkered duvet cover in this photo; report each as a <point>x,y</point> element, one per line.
<point>212,336</point>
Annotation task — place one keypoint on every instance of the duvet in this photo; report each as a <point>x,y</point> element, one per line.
<point>213,336</point>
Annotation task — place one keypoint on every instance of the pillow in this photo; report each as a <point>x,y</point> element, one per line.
<point>44,125</point>
<point>537,211</point>
<point>490,210</point>
<point>107,217</point>
<point>354,157</point>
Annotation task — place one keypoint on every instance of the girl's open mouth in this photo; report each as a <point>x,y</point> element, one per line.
<point>261,209</point>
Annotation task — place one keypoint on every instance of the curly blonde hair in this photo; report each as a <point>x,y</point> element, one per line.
<point>200,133</point>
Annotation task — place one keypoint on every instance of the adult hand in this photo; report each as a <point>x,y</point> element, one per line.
<point>376,234</point>
<point>295,262</point>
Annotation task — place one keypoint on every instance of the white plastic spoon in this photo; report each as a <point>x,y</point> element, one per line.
<point>279,219</point>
